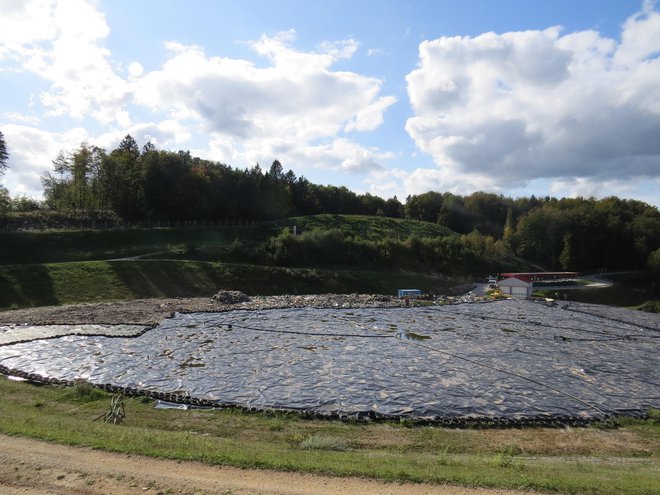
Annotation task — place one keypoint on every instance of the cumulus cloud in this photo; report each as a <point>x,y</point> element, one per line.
<point>340,154</point>
<point>504,109</point>
<point>167,134</point>
<point>293,102</point>
<point>293,105</point>
<point>59,41</point>
<point>22,24</point>
<point>31,152</point>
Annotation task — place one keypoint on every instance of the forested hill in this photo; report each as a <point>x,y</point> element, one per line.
<point>150,184</point>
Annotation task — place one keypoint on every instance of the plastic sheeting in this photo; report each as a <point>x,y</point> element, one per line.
<point>10,334</point>
<point>511,359</point>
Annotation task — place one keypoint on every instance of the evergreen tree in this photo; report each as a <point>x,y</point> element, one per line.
<point>129,146</point>
<point>148,148</point>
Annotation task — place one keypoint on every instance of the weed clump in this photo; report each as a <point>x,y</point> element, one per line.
<point>83,391</point>
<point>319,442</point>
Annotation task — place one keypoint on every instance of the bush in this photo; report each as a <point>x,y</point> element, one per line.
<point>84,391</point>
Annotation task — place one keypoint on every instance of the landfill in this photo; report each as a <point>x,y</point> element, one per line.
<point>504,362</point>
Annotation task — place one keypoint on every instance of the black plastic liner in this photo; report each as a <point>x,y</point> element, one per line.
<point>12,334</point>
<point>508,362</point>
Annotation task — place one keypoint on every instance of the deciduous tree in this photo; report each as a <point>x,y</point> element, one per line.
<point>4,154</point>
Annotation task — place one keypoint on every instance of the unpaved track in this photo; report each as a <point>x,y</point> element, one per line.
<point>30,467</point>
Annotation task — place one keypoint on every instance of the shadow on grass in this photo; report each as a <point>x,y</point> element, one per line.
<point>194,279</point>
<point>166,278</point>
<point>25,286</point>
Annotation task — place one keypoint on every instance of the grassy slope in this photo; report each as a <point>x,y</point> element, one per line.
<point>58,267</point>
<point>369,228</point>
<point>582,460</point>
<point>62,283</point>
<point>59,246</point>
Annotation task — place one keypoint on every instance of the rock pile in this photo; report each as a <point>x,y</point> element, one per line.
<point>230,297</point>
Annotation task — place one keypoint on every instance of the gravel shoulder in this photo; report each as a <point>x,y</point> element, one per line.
<point>31,467</point>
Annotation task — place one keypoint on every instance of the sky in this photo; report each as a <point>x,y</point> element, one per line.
<point>389,97</point>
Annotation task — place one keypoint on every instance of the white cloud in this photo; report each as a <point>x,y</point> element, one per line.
<point>388,182</point>
<point>59,42</point>
<point>31,152</point>
<point>21,118</point>
<point>24,22</point>
<point>352,157</point>
<point>498,110</point>
<point>371,116</point>
<point>293,107</point>
<point>640,37</point>
<point>340,154</point>
<point>135,69</point>
<point>615,187</point>
<point>373,52</point>
<point>287,106</point>
<point>167,134</point>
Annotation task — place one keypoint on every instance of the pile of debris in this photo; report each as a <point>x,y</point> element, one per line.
<point>230,297</point>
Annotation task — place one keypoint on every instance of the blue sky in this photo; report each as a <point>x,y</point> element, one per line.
<point>553,98</point>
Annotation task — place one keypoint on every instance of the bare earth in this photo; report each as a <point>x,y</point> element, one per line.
<point>31,467</point>
<point>152,311</point>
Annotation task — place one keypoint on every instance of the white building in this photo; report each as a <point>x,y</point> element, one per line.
<point>518,286</point>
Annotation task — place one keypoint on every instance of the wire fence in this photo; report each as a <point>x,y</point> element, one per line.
<point>36,224</point>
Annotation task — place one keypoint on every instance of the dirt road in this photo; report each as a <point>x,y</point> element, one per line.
<point>30,467</point>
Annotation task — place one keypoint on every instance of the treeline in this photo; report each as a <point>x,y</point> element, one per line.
<point>568,233</point>
<point>160,185</point>
<point>136,184</point>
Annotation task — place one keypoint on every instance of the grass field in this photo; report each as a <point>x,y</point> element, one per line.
<point>613,460</point>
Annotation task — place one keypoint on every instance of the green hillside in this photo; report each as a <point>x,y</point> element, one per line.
<point>331,253</point>
<point>93,281</point>
<point>86,245</point>
<point>366,227</point>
